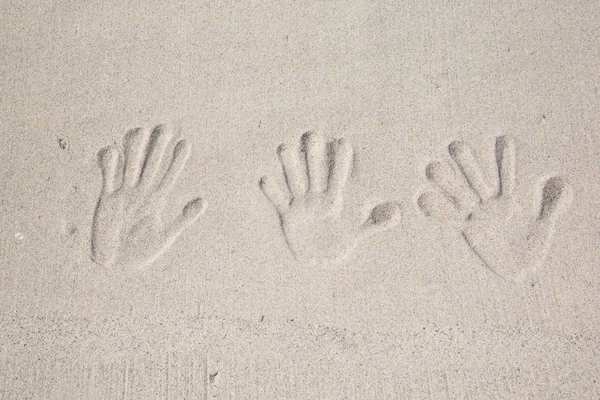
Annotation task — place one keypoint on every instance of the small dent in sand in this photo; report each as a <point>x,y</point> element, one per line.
<point>63,144</point>
<point>69,228</point>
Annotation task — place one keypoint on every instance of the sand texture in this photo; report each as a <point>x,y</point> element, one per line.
<point>300,199</point>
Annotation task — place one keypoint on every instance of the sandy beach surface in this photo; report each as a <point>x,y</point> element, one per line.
<point>300,200</point>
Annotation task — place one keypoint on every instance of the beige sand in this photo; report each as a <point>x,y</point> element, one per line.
<point>446,248</point>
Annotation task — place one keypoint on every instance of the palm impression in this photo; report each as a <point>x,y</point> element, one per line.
<point>128,228</point>
<point>310,207</point>
<point>510,242</point>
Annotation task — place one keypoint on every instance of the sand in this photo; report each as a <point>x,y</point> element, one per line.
<point>300,200</point>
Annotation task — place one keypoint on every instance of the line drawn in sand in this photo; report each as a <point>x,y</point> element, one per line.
<point>498,229</point>
<point>128,229</point>
<point>310,209</point>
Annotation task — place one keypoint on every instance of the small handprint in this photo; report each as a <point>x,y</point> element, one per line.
<point>510,242</point>
<point>128,229</point>
<point>310,212</point>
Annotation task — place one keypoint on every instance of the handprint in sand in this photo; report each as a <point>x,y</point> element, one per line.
<point>128,229</point>
<point>510,241</point>
<point>310,207</point>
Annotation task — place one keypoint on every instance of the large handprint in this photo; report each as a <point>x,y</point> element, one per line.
<point>310,213</point>
<point>510,242</point>
<point>128,229</point>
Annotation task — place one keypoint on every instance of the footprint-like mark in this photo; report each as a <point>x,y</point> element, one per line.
<point>310,209</point>
<point>510,242</point>
<point>128,229</point>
